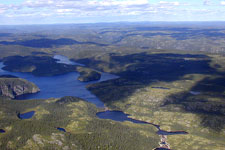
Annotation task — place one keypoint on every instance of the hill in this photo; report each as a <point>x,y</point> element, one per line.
<point>12,86</point>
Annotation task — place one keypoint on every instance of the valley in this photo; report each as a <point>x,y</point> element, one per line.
<point>170,80</point>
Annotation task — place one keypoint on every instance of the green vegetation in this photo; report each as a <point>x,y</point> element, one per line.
<point>37,65</point>
<point>144,56</point>
<point>84,129</point>
<point>87,75</point>
<point>175,107</point>
<point>47,66</point>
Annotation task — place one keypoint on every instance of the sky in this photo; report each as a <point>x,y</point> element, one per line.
<point>92,11</point>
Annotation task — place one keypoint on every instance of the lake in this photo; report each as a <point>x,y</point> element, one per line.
<point>68,85</point>
<point>61,85</point>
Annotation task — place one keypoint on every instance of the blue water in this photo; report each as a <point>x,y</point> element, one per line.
<point>162,132</point>
<point>61,129</point>
<point>64,60</point>
<point>195,93</point>
<point>164,88</point>
<point>61,85</point>
<point>114,115</point>
<point>2,131</point>
<point>26,115</point>
<point>161,149</point>
<point>68,85</point>
<point>121,116</point>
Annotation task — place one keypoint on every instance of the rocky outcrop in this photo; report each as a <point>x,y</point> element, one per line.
<point>13,87</point>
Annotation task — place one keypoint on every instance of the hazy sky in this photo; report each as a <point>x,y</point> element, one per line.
<point>85,11</point>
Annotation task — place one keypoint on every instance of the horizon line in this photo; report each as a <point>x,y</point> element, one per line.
<point>114,22</point>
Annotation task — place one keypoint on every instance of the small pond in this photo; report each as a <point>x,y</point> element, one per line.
<point>27,115</point>
<point>2,131</point>
<point>194,92</point>
<point>61,129</point>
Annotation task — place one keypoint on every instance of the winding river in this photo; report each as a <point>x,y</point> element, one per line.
<point>68,85</point>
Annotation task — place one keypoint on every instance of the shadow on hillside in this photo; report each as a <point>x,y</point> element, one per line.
<point>141,70</point>
<point>36,65</point>
<point>185,33</point>
<point>202,101</point>
<point>143,67</point>
<point>47,43</point>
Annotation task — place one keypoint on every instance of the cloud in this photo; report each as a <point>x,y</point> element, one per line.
<point>83,7</point>
<point>206,2</point>
<point>83,3</point>
<point>94,7</point>
<point>2,9</point>
<point>76,9</point>
<point>169,3</point>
